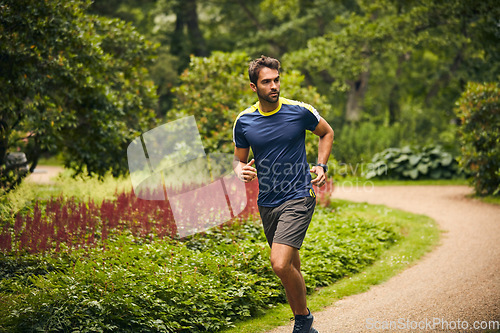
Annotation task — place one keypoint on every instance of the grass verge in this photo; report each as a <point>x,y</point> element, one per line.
<point>52,160</point>
<point>360,181</point>
<point>82,187</point>
<point>421,236</point>
<point>495,200</point>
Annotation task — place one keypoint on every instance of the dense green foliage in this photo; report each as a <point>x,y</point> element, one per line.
<point>390,71</point>
<point>357,143</point>
<point>214,90</point>
<point>407,163</point>
<point>77,82</point>
<point>384,53</point>
<point>479,112</point>
<point>70,82</point>
<point>394,66</point>
<point>201,284</point>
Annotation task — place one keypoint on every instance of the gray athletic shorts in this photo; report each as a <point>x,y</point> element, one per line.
<point>287,224</point>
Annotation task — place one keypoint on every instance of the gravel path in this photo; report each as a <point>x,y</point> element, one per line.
<point>458,282</point>
<point>44,173</point>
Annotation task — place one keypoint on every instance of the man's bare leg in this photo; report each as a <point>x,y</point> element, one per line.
<point>285,261</point>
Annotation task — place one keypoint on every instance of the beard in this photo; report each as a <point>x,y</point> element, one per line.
<point>268,97</point>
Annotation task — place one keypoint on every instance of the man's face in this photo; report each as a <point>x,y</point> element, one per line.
<point>268,85</point>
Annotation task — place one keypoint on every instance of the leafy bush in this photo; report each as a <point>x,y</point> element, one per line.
<point>155,286</point>
<point>479,111</point>
<point>418,127</point>
<point>358,142</point>
<point>407,163</point>
<point>72,83</point>
<point>201,284</point>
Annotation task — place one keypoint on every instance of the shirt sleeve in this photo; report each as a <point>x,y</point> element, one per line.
<point>238,136</point>
<point>312,117</point>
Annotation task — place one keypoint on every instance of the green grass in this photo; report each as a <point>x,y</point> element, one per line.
<point>393,182</point>
<point>55,160</point>
<point>490,199</point>
<point>360,182</point>
<point>421,236</point>
<point>82,187</point>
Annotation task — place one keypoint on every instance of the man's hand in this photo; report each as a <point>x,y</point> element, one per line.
<point>321,179</point>
<point>248,172</point>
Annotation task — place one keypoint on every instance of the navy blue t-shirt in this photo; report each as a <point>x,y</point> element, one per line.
<point>277,139</point>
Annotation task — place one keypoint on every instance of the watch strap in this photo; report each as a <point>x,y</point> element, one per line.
<point>324,166</point>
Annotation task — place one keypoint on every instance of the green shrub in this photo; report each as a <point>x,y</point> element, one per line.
<point>407,163</point>
<point>418,126</point>
<point>479,110</point>
<point>201,284</point>
<point>355,143</point>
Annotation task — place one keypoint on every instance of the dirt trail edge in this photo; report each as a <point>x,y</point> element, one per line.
<point>44,173</point>
<point>458,281</point>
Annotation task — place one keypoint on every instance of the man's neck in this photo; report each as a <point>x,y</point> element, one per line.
<point>265,106</point>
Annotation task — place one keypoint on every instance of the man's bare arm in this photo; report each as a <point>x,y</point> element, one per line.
<point>245,171</point>
<point>325,133</point>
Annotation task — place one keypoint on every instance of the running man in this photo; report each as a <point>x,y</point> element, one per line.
<point>275,129</point>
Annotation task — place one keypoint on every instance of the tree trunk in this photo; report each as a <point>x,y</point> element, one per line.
<point>394,107</point>
<point>355,98</point>
<point>187,17</point>
<point>177,43</point>
<point>198,45</point>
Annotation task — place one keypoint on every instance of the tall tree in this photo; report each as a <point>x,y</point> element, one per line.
<point>439,39</point>
<point>271,27</point>
<point>187,24</point>
<point>138,12</point>
<point>72,83</point>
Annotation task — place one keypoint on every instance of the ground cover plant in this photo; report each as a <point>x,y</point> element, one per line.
<point>421,235</point>
<point>132,283</point>
<point>431,162</point>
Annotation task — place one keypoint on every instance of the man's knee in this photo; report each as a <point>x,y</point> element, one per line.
<point>284,259</point>
<point>280,266</point>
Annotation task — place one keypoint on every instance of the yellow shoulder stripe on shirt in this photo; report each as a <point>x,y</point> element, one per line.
<point>251,109</point>
<point>305,105</point>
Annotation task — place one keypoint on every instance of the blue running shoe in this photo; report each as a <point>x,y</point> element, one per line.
<point>303,323</point>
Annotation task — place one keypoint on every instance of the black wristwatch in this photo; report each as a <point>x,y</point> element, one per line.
<point>324,166</point>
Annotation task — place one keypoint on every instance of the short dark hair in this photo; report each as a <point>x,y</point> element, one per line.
<point>257,64</point>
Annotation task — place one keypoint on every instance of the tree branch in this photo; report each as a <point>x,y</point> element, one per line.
<point>445,76</point>
<point>250,15</point>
